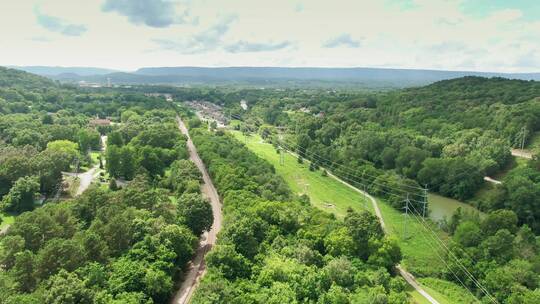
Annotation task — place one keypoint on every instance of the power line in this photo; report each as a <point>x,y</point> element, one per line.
<point>347,170</point>
<point>323,159</point>
<point>471,276</point>
<point>439,243</point>
<point>443,260</point>
<point>373,182</point>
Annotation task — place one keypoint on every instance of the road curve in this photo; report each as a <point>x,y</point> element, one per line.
<point>197,267</point>
<point>406,275</point>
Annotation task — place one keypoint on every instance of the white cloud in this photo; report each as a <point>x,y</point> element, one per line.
<point>58,25</point>
<point>343,40</point>
<point>427,34</point>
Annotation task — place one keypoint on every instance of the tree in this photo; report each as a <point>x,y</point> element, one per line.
<point>388,157</point>
<point>10,246</point>
<point>363,226</point>
<point>21,196</point>
<point>89,139</point>
<point>409,160</point>
<point>115,139</point>
<point>196,212</point>
<point>340,271</point>
<point>114,160</point>
<point>339,242</point>
<point>500,219</point>
<point>127,162</point>
<point>182,241</point>
<point>66,288</point>
<point>229,262</point>
<point>58,254</point>
<point>23,271</point>
<point>468,234</point>
<point>158,284</point>
<point>499,246</point>
<point>65,146</point>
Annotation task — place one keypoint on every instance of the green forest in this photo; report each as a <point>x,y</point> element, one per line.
<point>114,243</point>
<point>445,138</point>
<point>129,235</point>
<point>276,248</point>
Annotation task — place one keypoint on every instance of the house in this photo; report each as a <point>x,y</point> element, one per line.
<point>100,122</point>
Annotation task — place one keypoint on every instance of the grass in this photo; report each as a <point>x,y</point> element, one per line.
<point>448,292</point>
<point>534,142</point>
<point>94,156</point>
<point>7,219</point>
<point>325,192</point>
<point>73,183</point>
<point>332,196</point>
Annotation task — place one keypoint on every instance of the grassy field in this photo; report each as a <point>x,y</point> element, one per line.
<point>419,255</point>
<point>7,219</point>
<point>325,192</point>
<point>445,291</point>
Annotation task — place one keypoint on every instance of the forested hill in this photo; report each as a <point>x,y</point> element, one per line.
<point>478,90</point>
<point>498,104</point>
<point>19,79</point>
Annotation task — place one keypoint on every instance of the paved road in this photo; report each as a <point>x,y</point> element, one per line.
<point>406,275</point>
<point>197,267</point>
<point>85,178</point>
<point>522,153</point>
<point>491,180</point>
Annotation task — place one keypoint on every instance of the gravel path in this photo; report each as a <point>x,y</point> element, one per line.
<point>197,267</point>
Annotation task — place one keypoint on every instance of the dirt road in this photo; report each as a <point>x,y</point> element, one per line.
<point>197,268</point>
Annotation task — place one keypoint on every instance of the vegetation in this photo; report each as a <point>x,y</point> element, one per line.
<point>125,245</point>
<point>276,248</point>
<point>129,239</point>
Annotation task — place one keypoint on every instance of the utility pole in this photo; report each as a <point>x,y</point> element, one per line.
<point>365,197</point>
<point>425,201</point>
<point>281,156</point>
<point>524,131</point>
<point>406,216</point>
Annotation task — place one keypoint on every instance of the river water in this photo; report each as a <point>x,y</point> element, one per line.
<point>441,206</point>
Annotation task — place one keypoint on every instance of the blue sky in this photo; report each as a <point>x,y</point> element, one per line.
<point>482,35</point>
<point>481,8</point>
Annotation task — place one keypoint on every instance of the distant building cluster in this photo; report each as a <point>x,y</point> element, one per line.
<point>168,97</point>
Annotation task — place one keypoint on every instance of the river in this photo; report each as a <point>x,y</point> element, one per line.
<point>441,206</point>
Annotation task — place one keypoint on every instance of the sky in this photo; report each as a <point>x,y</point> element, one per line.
<point>472,35</point>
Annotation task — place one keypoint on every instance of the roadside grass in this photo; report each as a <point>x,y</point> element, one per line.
<point>7,219</point>
<point>73,185</point>
<point>94,156</point>
<point>534,142</point>
<point>449,292</point>
<point>417,244</point>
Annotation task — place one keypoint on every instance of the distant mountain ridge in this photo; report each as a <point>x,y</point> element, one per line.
<point>375,77</point>
<point>57,70</point>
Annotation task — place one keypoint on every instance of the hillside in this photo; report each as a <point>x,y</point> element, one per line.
<point>56,70</point>
<point>269,76</point>
<point>19,79</point>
